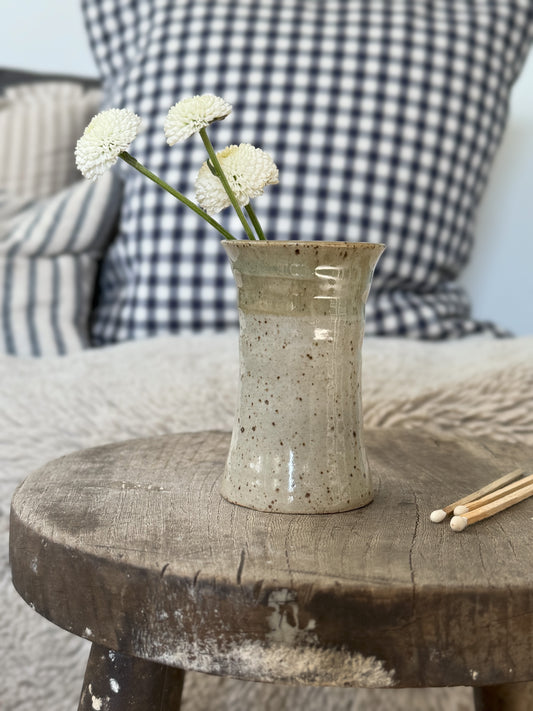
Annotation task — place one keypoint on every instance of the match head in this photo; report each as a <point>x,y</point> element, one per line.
<point>460,510</point>
<point>437,516</point>
<point>458,523</point>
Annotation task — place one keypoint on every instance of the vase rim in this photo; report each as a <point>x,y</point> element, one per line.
<point>304,243</point>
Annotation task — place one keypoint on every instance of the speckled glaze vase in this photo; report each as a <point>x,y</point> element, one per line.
<point>297,443</point>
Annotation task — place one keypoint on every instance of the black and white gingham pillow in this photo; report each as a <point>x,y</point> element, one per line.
<point>383,118</point>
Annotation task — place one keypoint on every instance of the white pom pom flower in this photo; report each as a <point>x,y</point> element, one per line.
<point>192,114</point>
<point>108,134</point>
<point>248,171</point>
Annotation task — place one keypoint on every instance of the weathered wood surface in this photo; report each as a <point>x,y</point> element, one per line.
<point>116,683</point>
<point>507,697</point>
<point>132,547</point>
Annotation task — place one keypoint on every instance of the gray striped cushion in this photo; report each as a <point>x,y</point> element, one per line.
<point>39,126</point>
<point>48,262</point>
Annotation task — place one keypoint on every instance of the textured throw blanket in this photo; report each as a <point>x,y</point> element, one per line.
<point>51,406</point>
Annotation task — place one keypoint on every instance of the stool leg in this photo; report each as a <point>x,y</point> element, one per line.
<point>114,682</point>
<point>504,697</point>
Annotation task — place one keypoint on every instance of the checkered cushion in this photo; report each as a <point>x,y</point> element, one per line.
<point>383,117</point>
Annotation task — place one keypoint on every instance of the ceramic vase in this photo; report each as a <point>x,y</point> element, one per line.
<point>297,444</point>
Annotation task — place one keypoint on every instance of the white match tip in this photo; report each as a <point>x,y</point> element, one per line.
<point>458,523</point>
<point>459,510</point>
<point>437,516</point>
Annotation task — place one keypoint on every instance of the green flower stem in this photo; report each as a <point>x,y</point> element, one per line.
<point>220,173</point>
<point>255,222</point>
<point>130,160</point>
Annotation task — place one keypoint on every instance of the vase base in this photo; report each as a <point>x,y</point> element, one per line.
<point>298,507</point>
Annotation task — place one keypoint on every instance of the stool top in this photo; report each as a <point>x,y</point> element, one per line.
<point>131,546</point>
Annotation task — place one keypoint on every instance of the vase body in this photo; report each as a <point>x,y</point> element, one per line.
<point>297,444</point>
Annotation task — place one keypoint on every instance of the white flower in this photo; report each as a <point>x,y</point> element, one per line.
<point>108,134</point>
<point>247,169</point>
<point>190,115</point>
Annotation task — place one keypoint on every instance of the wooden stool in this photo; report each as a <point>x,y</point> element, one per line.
<point>131,546</point>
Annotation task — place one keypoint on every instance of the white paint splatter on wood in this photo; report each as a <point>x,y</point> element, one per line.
<point>290,654</point>
<point>282,629</point>
<point>96,702</point>
<point>279,663</point>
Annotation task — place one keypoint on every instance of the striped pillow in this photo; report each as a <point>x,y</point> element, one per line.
<point>39,126</point>
<point>49,256</point>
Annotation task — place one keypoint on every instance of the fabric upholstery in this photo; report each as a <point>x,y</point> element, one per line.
<point>54,226</point>
<point>40,123</point>
<point>383,118</point>
<point>49,255</point>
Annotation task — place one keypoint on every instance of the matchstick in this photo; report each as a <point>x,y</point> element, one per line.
<point>489,498</point>
<point>440,514</point>
<point>459,523</point>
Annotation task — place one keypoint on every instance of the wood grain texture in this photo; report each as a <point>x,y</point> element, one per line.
<point>507,697</point>
<point>114,682</point>
<point>132,546</point>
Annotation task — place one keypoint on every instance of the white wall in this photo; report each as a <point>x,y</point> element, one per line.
<point>44,35</point>
<point>48,35</point>
<point>500,273</point>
